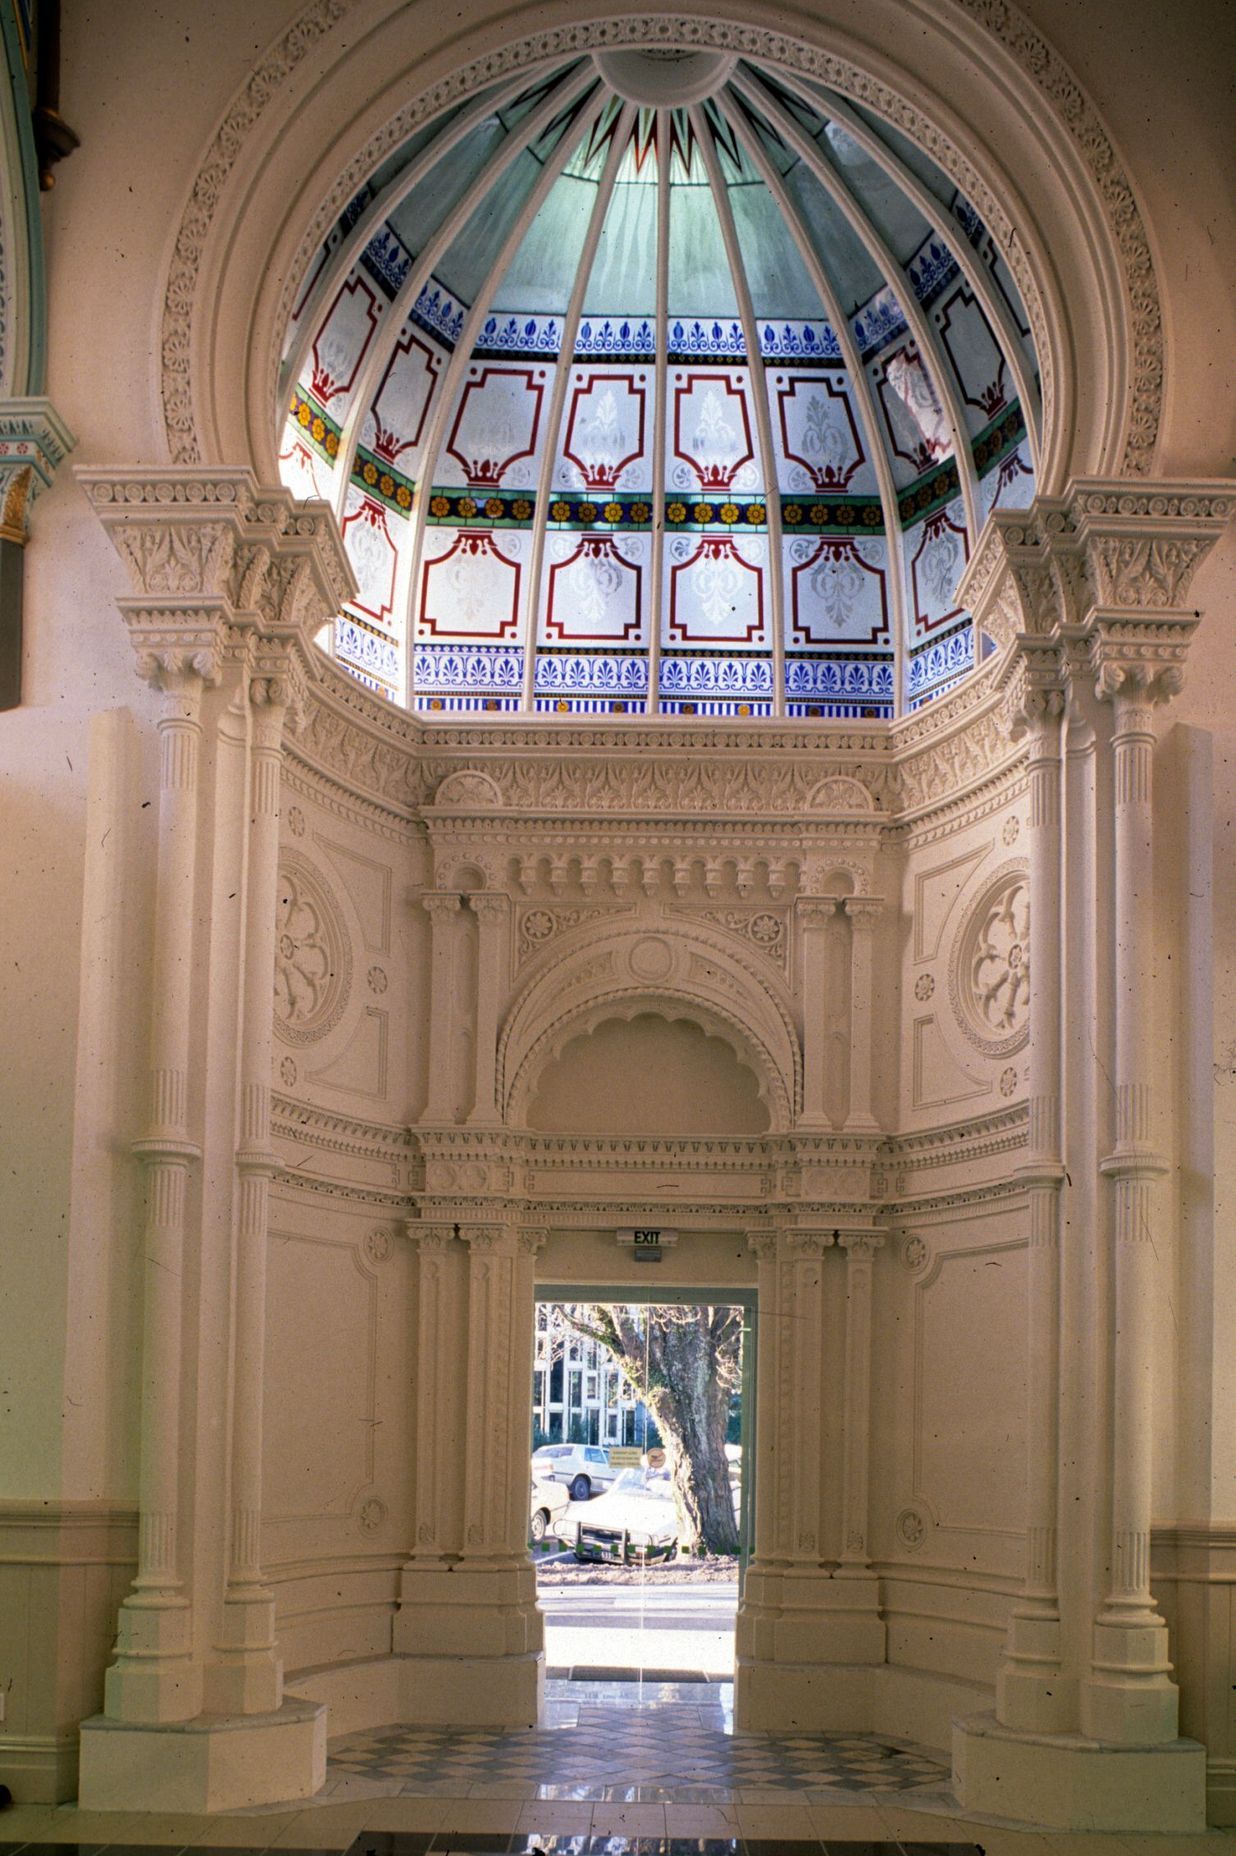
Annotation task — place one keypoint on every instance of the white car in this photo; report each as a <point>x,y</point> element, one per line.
<point>637,1520</point>
<point>549,1502</point>
<point>583,1467</point>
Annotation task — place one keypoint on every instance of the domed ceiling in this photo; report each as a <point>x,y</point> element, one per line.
<point>665,382</point>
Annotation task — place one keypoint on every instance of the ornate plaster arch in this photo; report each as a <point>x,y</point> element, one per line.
<point>642,966</point>
<point>224,314</point>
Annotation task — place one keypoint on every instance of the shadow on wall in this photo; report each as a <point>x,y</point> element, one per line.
<point>648,1075</point>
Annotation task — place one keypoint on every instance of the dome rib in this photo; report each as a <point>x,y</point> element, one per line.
<point>557,401</point>
<point>759,396</point>
<point>976,275</point>
<point>341,262</point>
<point>460,360</point>
<point>894,274</point>
<point>840,324</point>
<point>435,249</point>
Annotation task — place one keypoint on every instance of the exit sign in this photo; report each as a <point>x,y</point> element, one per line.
<point>646,1240</point>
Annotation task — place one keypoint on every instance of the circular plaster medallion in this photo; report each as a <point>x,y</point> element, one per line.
<point>378,1244</point>
<point>371,1516</point>
<point>916,1254</point>
<point>924,986</point>
<point>377,979</point>
<point>313,955</point>
<point>1011,830</point>
<point>538,925</point>
<point>911,1528</point>
<point>287,1073</point>
<point>1008,1081</point>
<point>651,958</point>
<point>296,822</point>
<point>989,976</point>
<point>765,929</point>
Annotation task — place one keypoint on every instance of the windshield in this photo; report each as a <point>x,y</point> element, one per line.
<point>645,1482</point>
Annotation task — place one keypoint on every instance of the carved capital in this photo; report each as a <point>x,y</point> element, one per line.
<point>1143,545</point>
<point>863,911</point>
<point>860,1246</point>
<point>532,1239</point>
<point>763,1242</point>
<point>1135,676</point>
<point>815,911</point>
<point>34,441</point>
<point>430,1239</point>
<point>482,1239</point>
<point>206,547</point>
<point>490,907</point>
<point>809,1243</point>
<point>441,906</point>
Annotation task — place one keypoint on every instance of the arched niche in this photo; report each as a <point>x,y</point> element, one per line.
<point>647,1072</point>
<point>669,970</point>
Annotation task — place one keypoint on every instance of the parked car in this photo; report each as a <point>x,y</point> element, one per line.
<point>637,1520</point>
<point>583,1467</point>
<point>549,1501</point>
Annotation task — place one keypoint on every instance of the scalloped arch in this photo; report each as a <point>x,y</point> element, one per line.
<point>703,979</point>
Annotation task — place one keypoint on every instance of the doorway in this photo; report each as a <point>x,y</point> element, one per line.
<point>637,1589</point>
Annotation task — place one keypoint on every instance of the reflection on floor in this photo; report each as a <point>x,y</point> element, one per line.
<point>654,1742</point>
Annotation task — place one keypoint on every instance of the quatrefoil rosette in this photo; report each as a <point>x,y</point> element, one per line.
<point>989,974</point>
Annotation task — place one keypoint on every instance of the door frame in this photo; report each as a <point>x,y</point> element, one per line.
<point>668,1297</point>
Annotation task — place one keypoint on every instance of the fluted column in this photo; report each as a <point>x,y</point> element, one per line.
<point>492,911</point>
<point>1131,1698</point>
<point>431,1526</point>
<point>442,908</point>
<point>815,915</point>
<point>248,1676</point>
<point>1032,1691</point>
<point>860,1249</point>
<point>863,912</point>
<point>155,1677</point>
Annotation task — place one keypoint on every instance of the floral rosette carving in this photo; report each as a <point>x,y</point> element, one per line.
<point>989,977</point>
<point>313,958</point>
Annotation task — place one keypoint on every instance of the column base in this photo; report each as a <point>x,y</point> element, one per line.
<point>1068,1782</point>
<point>214,1763</point>
<point>1033,1695</point>
<point>776,1697</point>
<point>803,1614</point>
<point>1130,1699</point>
<point>472,1642</point>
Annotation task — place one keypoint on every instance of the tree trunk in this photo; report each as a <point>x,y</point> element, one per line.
<point>684,1372</point>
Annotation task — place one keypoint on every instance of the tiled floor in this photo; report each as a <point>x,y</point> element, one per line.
<point>654,1743</point>
<point>653,1769</point>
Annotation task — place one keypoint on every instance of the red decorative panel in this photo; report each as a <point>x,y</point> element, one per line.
<point>594,596</point>
<point>396,419</point>
<point>712,427</point>
<point>837,596</point>
<point>605,428</point>
<point>472,590</point>
<point>818,431</point>
<point>975,354</point>
<point>374,557</point>
<point>935,568</point>
<point>343,340</point>
<point>716,595</point>
<point>497,422</point>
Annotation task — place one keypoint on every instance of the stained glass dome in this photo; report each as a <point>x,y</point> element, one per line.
<point>662,382</point>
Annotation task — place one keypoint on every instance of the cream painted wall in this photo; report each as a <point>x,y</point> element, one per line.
<point>647,1075</point>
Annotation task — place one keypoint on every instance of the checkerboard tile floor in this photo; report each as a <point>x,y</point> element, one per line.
<point>659,1742</point>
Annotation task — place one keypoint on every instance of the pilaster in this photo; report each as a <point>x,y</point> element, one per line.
<point>467,1624</point>
<point>862,913</point>
<point>1086,594</point>
<point>443,909</point>
<point>230,582</point>
<point>815,915</point>
<point>492,912</point>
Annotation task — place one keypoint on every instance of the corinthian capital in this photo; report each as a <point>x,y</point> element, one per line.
<point>215,551</point>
